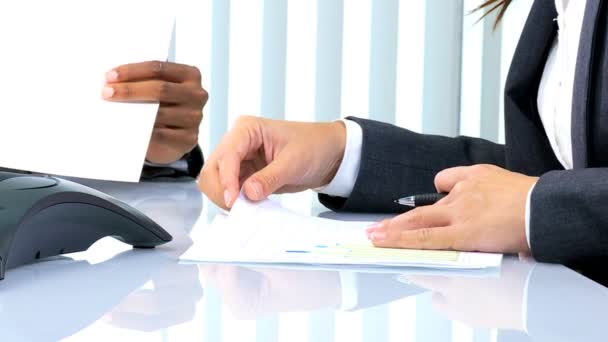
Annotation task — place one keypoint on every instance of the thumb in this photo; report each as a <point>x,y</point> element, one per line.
<point>266,181</point>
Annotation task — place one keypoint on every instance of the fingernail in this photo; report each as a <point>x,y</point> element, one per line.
<point>107,92</point>
<point>378,236</point>
<point>369,231</point>
<point>227,198</point>
<point>112,76</point>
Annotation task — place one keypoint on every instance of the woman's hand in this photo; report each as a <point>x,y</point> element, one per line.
<point>178,90</point>
<point>266,156</point>
<point>484,211</point>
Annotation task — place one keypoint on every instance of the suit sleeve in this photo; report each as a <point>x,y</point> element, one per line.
<point>569,217</point>
<point>195,161</point>
<point>396,162</point>
<point>189,165</point>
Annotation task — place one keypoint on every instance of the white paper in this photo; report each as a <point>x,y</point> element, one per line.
<point>53,60</point>
<point>264,232</point>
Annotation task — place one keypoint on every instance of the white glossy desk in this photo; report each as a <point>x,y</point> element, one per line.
<point>114,293</point>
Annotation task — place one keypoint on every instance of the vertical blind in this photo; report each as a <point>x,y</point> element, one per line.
<point>423,65</point>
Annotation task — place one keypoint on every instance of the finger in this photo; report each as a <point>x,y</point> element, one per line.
<point>209,184</point>
<point>178,117</point>
<point>437,238</point>
<point>152,92</point>
<point>231,158</point>
<point>154,70</point>
<point>268,180</point>
<point>387,231</point>
<point>229,172</point>
<point>429,229</point>
<point>421,217</point>
<point>242,140</point>
<point>447,179</point>
<point>209,179</point>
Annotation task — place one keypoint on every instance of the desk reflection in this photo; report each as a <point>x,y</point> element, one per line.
<point>525,302</point>
<point>539,301</point>
<point>54,299</point>
<point>252,293</point>
<point>170,300</point>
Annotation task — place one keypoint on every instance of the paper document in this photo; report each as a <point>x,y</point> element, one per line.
<point>53,59</point>
<point>264,232</point>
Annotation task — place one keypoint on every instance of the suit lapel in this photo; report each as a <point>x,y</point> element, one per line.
<point>582,84</point>
<point>530,56</point>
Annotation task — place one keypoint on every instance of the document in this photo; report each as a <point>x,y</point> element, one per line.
<point>53,59</point>
<point>265,233</point>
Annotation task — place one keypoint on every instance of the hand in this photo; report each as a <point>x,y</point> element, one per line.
<point>484,211</point>
<point>266,156</point>
<point>177,88</point>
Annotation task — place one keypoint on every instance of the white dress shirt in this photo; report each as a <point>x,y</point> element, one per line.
<point>554,104</point>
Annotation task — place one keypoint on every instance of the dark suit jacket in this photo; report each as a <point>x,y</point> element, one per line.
<point>194,161</point>
<point>569,209</point>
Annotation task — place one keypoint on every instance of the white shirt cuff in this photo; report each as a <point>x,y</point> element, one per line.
<point>181,164</point>
<point>528,216</point>
<point>343,182</point>
<point>348,283</point>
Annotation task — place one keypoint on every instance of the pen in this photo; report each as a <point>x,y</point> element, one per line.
<point>421,200</point>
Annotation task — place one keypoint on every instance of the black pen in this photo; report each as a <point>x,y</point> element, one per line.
<point>421,200</point>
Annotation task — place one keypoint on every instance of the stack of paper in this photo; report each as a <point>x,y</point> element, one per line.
<point>53,60</point>
<point>264,232</point>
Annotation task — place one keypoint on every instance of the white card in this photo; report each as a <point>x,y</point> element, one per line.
<point>53,60</point>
